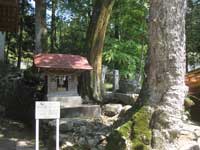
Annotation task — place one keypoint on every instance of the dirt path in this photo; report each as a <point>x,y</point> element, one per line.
<point>12,132</point>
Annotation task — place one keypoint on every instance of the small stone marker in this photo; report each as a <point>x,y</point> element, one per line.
<point>104,71</point>
<point>47,110</point>
<point>115,80</point>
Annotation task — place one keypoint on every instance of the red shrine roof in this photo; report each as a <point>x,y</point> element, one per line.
<point>61,62</point>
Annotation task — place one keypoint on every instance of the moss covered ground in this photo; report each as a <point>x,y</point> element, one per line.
<point>135,134</point>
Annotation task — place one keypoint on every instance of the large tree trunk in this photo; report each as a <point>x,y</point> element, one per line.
<point>94,45</point>
<point>40,26</point>
<point>158,124</point>
<point>2,45</point>
<point>165,84</point>
<point>53,25</point>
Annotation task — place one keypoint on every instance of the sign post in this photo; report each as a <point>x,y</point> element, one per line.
<point>47,110</point>
<point>37,135</point>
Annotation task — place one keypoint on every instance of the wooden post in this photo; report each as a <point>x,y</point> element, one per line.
<point>57,133</point>
<point>37,135</point>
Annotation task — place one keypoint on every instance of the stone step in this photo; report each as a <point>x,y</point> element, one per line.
<point>85,111</point>
<point>70,101</point>
<point>63,94</point>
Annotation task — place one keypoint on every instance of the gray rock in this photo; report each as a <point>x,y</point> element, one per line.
<point>100,147</point>
<point>127,99</point>
<point>198,141</point>
<point>197,133</point>
<point>125,109</point>
<point>82,141</point>
<point>112,109</point>
<point>122,98</point>
<point>108,97</point>
<point>91,133</point>
<point>190,146</point>
<point>129,86</point>
<point>92,142</point>
<point>83,129</point>
<point>67,126</point>
<point>2,110</point>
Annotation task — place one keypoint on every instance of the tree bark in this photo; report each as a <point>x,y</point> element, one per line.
<point>117,21</point>
<point>40,26</point>
<point>2,46</point>
<point>94,45</point>
<point>165,84</point>
<point>53,25</point>
<point>160,104</point>
<point>20,40</point>
<point>7,48</point>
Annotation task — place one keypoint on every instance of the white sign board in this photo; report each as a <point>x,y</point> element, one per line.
<point>47,110</point>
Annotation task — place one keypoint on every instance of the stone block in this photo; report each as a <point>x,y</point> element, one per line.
<point>67,99</point>
<point>85,111</point>
<point>122,98</point>
<point>129,86</point>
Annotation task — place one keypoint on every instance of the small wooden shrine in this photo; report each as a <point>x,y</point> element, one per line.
<point>9,15</point>
<point>62,71</point>
<point>192,80</point>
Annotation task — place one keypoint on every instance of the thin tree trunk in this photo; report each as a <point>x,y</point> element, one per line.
<point>142,57</point>
<point>60,36</point>
<point>141,62</point>
<point>20,41</point>
<point>53,25</point>
<point>40,26</point>
<point>94,45</point>
<point>2,46</point>
<point>189,33</point>
<point>7,49</point>
<point>116,21</point>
